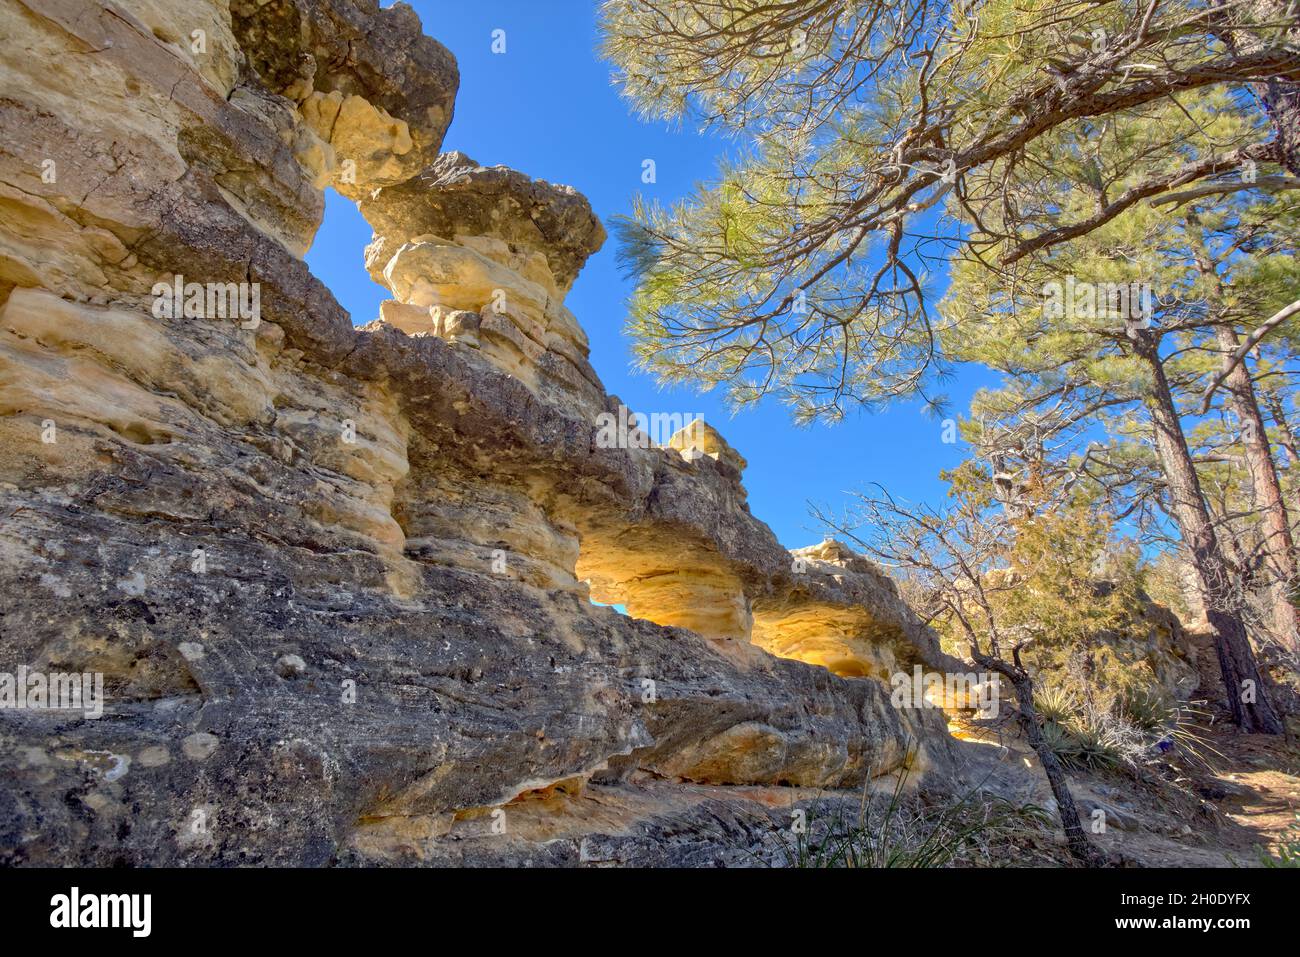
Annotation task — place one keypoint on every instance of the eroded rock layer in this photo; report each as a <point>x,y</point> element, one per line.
<point>339,581</point>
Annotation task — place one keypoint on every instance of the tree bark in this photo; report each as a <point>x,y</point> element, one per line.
<point>1279,546</point>
<point>1241,677</point>
<point>1022,684</point>
<point>1080,847</point>
<point>1282,101</point>
<point>1281,98</point>
<point>1288,440</point>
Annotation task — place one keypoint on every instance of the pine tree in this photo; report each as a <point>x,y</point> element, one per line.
<point>802,270</point>
<point>1074,331</point>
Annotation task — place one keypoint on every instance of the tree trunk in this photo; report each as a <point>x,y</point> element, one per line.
<point>1281,98</point>
<point>1279,547</point>
<point>1284,426</point>
<point>1080,847</point>
<point>1282,102</point>
<point>1247,696</point>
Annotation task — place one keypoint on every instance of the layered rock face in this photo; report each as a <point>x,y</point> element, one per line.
<point>339,581</point>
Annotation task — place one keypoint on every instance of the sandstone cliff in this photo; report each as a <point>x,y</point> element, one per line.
<point>340,580</point>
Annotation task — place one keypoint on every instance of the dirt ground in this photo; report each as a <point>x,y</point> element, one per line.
<point>1250,795</point>
<point>1225,805</point>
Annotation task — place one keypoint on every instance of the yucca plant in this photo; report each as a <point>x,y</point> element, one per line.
<point>1184,734</point>
<point>1094,739</point>
<point>1144,708</point>
<point>1056,704</point>
<point>1106,741</point>
<point>1062,744</point>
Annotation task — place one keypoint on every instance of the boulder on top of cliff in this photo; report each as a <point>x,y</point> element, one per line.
<point>459,200</point>
<point>834,552</point>
<point>699,438</point>
<point>366,78</point>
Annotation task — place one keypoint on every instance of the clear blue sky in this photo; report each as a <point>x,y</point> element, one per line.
<point>546,107</point>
